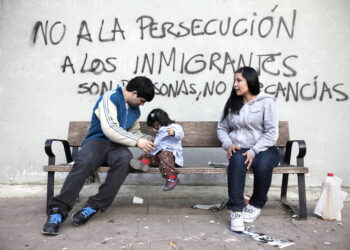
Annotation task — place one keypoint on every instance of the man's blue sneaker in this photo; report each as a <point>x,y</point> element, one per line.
<point>54,221</point>
<point>83,215</point>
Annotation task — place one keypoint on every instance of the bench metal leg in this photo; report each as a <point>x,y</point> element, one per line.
<point>50,189</point>
<point>301,211</point>
<point>302,197</point>
<point>284,187</point>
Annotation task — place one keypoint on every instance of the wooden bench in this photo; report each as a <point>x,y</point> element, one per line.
<point>197,134</point>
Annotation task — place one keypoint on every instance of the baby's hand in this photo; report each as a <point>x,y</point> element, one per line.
<point>171,131</point>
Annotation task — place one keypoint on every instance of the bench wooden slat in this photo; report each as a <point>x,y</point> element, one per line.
<point>188,170</point>
<point>283,136</point>
<point>77,132</point>
<point>197,134</point>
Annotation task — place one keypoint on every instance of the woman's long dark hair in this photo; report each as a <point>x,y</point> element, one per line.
<point>160,116</point>
<point>234,102</point>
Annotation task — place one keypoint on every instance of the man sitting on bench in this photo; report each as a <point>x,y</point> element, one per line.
<point>114,128</point>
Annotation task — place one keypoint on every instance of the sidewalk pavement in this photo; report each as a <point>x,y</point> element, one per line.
<point>165,220</point>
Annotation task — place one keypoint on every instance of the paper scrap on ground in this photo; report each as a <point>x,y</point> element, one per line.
<point>265,238</point>
<point>217,165</point>
<point>212,207</point>
<point>137,200</point>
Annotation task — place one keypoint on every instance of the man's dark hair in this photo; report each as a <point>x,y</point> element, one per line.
<point>143,86</point>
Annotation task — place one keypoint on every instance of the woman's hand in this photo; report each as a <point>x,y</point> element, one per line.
<point>232,149</point>
<point>249,160</point>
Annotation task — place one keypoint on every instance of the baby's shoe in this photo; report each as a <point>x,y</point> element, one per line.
<point>170,183</point>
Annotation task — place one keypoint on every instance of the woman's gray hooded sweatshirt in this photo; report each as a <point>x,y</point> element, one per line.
<point>254,128</point>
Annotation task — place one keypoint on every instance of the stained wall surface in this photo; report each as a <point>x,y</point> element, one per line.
<point>58,57</point>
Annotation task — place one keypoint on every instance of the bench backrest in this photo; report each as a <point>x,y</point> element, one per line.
<point>197,134</point>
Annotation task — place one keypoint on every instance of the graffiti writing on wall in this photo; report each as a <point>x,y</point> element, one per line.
<point>186,64</point>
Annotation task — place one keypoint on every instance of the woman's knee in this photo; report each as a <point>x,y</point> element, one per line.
<point>236,160</point>
<point>268,159</point>
<point>236,166</point>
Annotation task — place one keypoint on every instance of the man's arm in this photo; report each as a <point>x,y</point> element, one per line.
<point>135,129</point>
<point>107,113</point>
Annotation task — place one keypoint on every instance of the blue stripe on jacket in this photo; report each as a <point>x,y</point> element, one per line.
<point>126,118</point>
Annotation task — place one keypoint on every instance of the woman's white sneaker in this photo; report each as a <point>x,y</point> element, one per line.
<point>250,213</point>
<point>237,223</point>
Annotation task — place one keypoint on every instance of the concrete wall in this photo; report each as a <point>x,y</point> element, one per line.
<point>57,57</point>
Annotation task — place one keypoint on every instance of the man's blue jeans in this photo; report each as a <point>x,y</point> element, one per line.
<point>262,166</point>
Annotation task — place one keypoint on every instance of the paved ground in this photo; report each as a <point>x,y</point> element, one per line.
<point>165,222</point>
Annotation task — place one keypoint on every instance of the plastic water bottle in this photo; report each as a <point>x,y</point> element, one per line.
<point>331,200</point>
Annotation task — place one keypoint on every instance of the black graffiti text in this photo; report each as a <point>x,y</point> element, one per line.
<point>254,25</point>
<point>298,91</point>
<point>54,33</point>
<point>95,88</point>
<point>183,87</point>
<point>95,65</point>
<point>85,34</point>
<point>275,64</point>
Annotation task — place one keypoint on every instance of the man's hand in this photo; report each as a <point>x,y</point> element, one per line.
<point>170,131</point>
<point>232,149</point>
<point>145,145</point>
<point>249,160</point>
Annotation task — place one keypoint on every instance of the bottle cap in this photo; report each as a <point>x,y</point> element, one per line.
<point>330,174</point>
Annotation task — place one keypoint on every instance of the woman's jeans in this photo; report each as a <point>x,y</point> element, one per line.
<point>263,164</point>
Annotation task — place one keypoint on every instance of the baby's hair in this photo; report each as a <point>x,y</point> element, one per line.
<point>160,116</point>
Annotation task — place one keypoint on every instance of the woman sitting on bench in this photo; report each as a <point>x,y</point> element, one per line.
<point>248,130</point>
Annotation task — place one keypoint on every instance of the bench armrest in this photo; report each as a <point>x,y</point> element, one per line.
<point>301,154</point>
<point>51,155</point>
